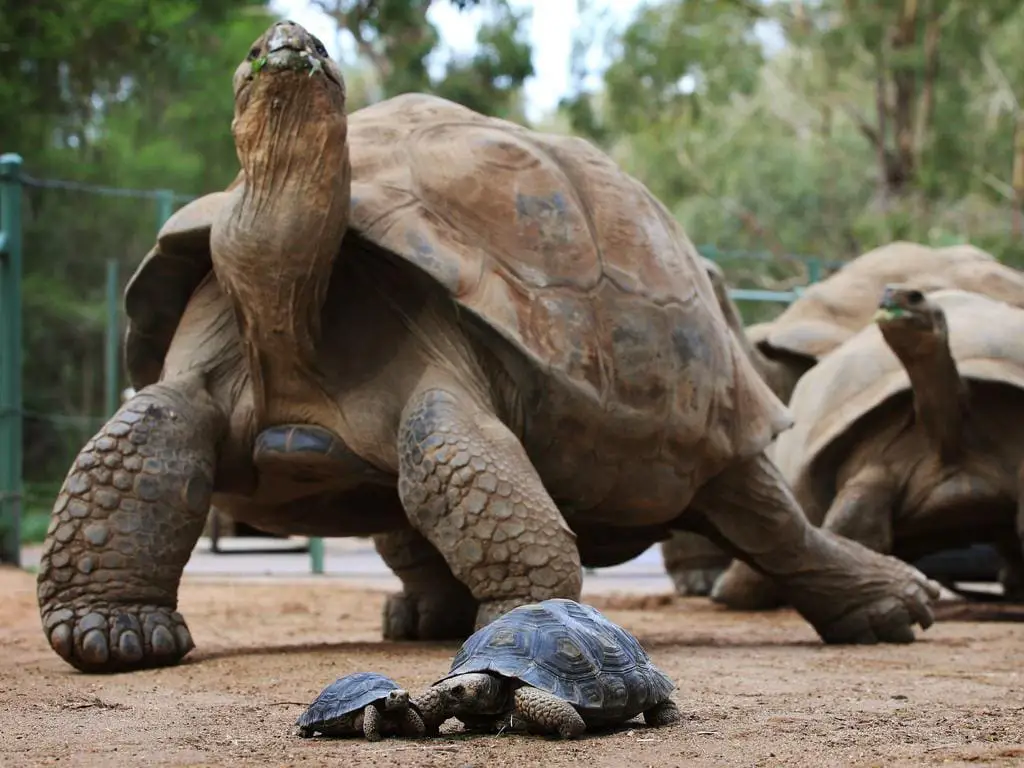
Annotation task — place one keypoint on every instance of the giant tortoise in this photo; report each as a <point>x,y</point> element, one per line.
<point>827,314</point>
<point>904,437</point>
<point>488,347</point>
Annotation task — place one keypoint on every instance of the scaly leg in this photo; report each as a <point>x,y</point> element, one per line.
<point>468,486</point>
<point>433,604</point>
<point>371,722</point>
<point>847,592</point>
<point>128,515</point>
<point>411,725</point>
<point>544,712</point>
<point>862,511</point>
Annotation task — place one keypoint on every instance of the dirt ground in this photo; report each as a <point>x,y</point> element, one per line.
<point>757,689</point>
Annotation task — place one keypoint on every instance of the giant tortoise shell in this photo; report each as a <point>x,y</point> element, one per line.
<point>863,374</point>
<point>831,311</point>
<point>551,245</point>
<point>573,651</point>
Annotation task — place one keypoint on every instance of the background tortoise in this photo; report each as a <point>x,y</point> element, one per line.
<point>554,667</point>
<point>487,345</point>
<point>363,703</point>
<point>831,311</point>
<point>827,314</point>
<point>905,436</point>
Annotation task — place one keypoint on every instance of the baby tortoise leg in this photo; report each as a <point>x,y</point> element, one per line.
<point>665,713</point>
<point>410,724</point>
<point>862,511</point>
<point>546,713</point>
<point>371,722</point>
<point>433,604</point>
<point>693,563</point>
<point>468,486</point>
<point>129,513</point>
<point>847,592</point>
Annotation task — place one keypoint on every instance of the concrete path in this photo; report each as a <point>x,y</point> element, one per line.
<point>355,561</point>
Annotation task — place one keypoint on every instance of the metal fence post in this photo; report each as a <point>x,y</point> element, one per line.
<point>813,270</point>
<point>164,207</point>
<point>10,359</point>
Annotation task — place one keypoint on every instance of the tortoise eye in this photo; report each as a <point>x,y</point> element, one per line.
<point>254,53</point>
<point>915,297</point>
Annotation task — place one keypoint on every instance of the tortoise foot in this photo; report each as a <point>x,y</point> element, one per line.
<point>865,597</point>
<point>695,582</point>
<point>118,638</point>
<point>741,588</point>
<point>434,616</point>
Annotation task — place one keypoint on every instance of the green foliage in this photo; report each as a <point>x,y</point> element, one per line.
<point>784,149</point>
<point>398,40</point>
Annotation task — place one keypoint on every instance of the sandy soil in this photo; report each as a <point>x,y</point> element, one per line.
<point>757,690</point>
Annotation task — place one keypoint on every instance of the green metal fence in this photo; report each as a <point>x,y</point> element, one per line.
<point>12,413</point>
<point>10,359</point>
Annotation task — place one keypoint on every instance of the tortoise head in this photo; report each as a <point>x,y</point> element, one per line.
<point>396,699</point>
<point>286,88</point>
<point>906,317</point>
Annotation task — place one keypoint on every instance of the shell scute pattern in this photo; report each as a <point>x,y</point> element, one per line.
<point>345,696</point>
<point>572,651</point>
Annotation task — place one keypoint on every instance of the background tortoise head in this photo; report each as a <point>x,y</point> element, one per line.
<point>907,319</point>
<point>287,76</point>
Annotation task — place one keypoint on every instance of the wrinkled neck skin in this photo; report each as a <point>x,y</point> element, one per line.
<point>274,247</point>
<point>940,395</point>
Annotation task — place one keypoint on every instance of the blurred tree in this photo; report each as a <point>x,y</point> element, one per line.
<point>397,38</point>
<point>822,128</point>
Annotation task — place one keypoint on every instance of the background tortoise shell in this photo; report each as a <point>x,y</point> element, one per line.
<point>572,651</point>
<point>831,311</point>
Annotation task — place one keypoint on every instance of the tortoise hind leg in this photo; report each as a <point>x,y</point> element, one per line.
<point>129,513</point>
<point>849,593</point>
<point>693,563</point>
<point>665,713</point>
<point>861,511</point>
<point>433,604</point>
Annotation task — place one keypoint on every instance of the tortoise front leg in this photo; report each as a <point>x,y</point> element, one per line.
<point>129,513</point>
<point>371,722</point>
<point>410,724</point>
<point>546,713</point>
<point>469,487</point>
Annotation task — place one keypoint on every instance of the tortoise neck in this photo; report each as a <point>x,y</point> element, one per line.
<point>940,395</point>
<point>276,251</point>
